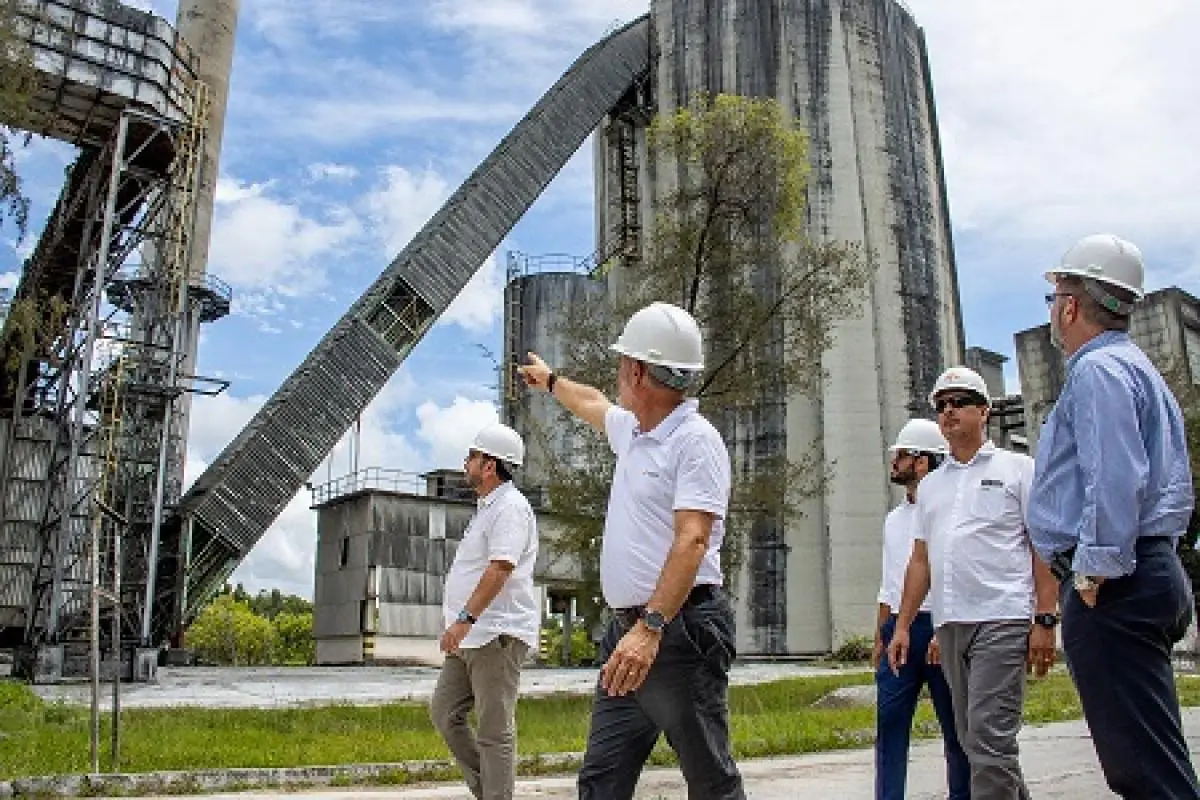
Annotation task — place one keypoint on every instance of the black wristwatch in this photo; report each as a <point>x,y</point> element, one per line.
<point>465,616</point>
<point>1046,620</point>
<point>654,620</point>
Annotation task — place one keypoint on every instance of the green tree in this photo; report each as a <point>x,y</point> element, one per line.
<point>727,243</point>
<point>294,638</point>
<point>18,80</point>
<point>228,632</point>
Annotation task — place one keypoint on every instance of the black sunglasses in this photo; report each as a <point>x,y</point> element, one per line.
<point>956,401</point>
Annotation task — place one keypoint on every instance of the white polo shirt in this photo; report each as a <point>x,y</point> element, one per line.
<point>898,529</point>
<point>972,516</point>
<point>503,529</point>
<point>681,464</point>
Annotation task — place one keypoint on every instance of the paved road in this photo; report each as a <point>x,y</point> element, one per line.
<point>281,687</point>
<point>1058,759</point>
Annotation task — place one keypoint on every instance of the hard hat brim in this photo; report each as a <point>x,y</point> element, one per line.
<point>621,349</point>
<point>1052,277</point>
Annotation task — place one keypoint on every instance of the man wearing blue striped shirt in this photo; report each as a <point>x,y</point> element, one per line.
<point>1112,494</point>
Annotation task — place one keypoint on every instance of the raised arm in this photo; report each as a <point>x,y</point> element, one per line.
<point>585,402</point>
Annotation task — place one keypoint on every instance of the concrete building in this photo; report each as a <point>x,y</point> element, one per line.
<point>1165,324</point>
<point>385,541</point>
<point>855,76</point>
<point>1006,423</point>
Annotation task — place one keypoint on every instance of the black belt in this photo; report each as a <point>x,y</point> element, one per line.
<point>1060,563</point>
<point>702,593</point>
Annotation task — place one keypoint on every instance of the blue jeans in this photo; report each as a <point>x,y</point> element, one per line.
<point>897,701</point>
<point>685,697</point>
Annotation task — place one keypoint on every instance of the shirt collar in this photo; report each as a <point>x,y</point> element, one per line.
<point>662,430</point>
<point>1095,343</point>
<point>984,452</point>
<point>493,495</point>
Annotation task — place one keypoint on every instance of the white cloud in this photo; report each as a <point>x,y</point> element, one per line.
<point>403,202</point>
<point>449,430</point>
<point>1066,118</point>
<point>481,302</point>
<point>332,172</point>
<point>266,243</point>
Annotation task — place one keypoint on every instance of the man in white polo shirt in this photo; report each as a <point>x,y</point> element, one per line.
<point>918,451</point>
<point>492,619</point>
<point>669,646</point>
<point>973,558</point>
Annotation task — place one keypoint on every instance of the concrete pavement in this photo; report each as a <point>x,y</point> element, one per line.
<point>1058,760</point>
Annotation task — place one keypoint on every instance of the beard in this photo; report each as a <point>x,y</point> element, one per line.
<point>904,477</point>
<point>1055,334</point>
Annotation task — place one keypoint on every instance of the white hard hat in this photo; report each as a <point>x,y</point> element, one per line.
<point>920,434</point>
<point>1104,258</point>
<point>502,442</point>
<point>663,334</point>
<point>960,378</point>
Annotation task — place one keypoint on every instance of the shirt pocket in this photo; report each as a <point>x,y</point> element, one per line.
<point>989,502</point>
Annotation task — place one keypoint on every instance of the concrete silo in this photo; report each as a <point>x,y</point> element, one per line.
<point>855,75</point>
<point>538,294</point>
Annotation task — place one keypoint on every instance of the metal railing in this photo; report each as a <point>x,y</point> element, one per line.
<point>388,480</point>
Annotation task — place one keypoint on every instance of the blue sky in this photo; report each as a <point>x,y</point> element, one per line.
<point>350,121</point>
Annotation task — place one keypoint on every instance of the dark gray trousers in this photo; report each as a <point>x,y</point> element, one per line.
<point>1119,654</point>
<point>685,696</point>
<point>984,663</point>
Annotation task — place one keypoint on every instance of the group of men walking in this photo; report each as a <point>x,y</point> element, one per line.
<point>988,551</point>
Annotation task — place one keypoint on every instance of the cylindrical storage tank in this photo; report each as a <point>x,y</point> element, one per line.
<point>536,320</point>
<point>854,74</point>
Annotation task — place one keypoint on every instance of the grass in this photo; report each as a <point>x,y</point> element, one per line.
<point>39,738</point>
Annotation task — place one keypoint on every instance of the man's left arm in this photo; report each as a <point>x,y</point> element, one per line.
<point>507,539</point>
<point>1114,470</point>
<point>633,656</point>
<point>1042,642</point>
<point>490,583</point>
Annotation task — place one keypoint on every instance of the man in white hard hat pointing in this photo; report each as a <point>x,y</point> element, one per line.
<point>1111,496</point>
<point>670,643</point>
<point>919,449</point>
<point>492,619</point>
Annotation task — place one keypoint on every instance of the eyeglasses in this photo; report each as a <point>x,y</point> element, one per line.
<point>956,401</point>
<point>909,453</point>
<point>1052,296</point>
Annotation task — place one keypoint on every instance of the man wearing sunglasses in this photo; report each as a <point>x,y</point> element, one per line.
<point>971,556</point>
<point>918,450</point>
<point>1111,496</point>
<point>492,619</point>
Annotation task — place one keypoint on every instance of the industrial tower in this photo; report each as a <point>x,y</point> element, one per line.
<point>99,340</point>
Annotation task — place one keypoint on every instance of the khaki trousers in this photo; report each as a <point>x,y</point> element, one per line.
<point>486,679</point>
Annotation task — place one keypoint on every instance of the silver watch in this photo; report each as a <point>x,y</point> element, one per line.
<point>1083,583</point>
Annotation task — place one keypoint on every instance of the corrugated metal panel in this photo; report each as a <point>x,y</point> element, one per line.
<point>16,584</point>
<point>246,487</point>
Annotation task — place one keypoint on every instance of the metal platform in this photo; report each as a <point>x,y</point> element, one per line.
<point>96,58</point>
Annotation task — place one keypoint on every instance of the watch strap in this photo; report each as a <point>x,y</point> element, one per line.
<point>466,616</point>
<point>1046,619</point>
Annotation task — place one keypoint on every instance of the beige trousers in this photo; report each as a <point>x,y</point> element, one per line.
<point>486,679</point>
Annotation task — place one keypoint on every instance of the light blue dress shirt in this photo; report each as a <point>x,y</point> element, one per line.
<point>1112,461</point>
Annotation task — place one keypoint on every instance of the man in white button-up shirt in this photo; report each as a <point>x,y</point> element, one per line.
<point>973,559</point>
<point>669,646</point>
<point>492,619</point>
<point>918,450</point>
